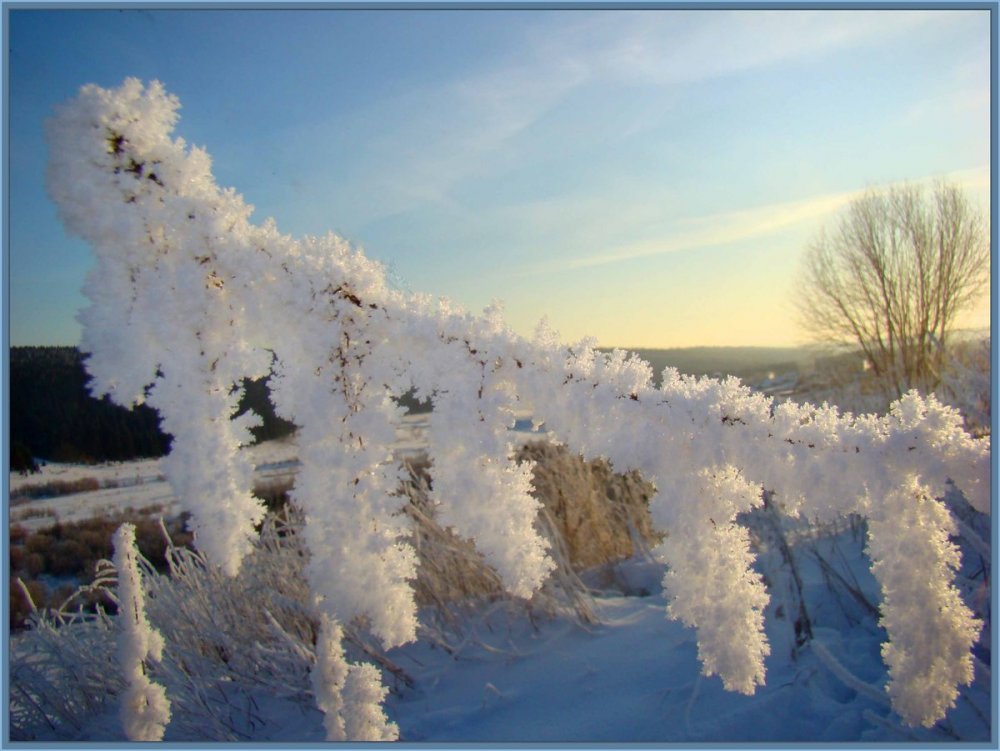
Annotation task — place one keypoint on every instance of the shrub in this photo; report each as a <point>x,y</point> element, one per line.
<point>74,549</point>
<point>20,607</point>
<point>40,542</point>
<point>34,563</point>
<point>21,460</point>
<point>17,558</point>
<point>67,557</point>
<point>56,488</point>
<point>18,534</point>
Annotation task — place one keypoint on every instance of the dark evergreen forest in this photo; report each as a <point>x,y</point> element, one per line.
<point>53,416</point>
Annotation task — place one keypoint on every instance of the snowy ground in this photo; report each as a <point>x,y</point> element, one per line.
<point>635,678</point>
<point>632,678</point>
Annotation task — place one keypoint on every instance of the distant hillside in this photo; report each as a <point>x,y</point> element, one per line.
<point>54,417</point>
<point>747,363</point>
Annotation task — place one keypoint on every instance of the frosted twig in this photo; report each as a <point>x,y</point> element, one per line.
<point>970,535</point>
<point>27,595</point>
<point>847,677</point>
<point>892,727</point>
<point>145,709</point>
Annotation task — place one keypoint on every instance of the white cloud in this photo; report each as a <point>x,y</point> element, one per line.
<point>683,46</point>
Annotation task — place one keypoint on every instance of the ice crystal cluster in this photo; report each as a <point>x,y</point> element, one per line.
<point>188,297</point>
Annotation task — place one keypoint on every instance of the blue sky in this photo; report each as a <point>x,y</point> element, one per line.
<point>650,178</point>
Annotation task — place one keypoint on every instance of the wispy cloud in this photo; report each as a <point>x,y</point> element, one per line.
<point>975,179</point>
<point>464,126</point>
<point>684,46</point>
<point>742,224</point>
<point>710,230</point>
<point>421,148</point>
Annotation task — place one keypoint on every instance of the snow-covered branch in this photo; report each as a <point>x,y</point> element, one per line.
<point>189,297</point>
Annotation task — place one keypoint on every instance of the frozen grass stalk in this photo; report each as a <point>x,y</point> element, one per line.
<point>350,695</point>
<point>145,709</point>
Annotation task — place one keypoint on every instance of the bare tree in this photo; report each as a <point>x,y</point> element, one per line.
<point>893,276</point>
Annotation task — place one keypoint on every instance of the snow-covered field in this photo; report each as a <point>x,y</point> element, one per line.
<point>132,485</point>
<point>635,678</point>
<point>140,484</point>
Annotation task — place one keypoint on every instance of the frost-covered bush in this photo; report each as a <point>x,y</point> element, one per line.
<point>188,298</point>
<point>240,652</point>
<point>966,384</point>
<point>231,645</point>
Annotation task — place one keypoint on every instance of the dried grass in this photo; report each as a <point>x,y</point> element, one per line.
<point>229,638</point>
<point>590,515</point>
<point>53,489</point>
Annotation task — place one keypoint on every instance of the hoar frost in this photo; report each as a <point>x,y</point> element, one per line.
<point>350,695</point>
<point>145,709</point>
<point>188,298</point>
